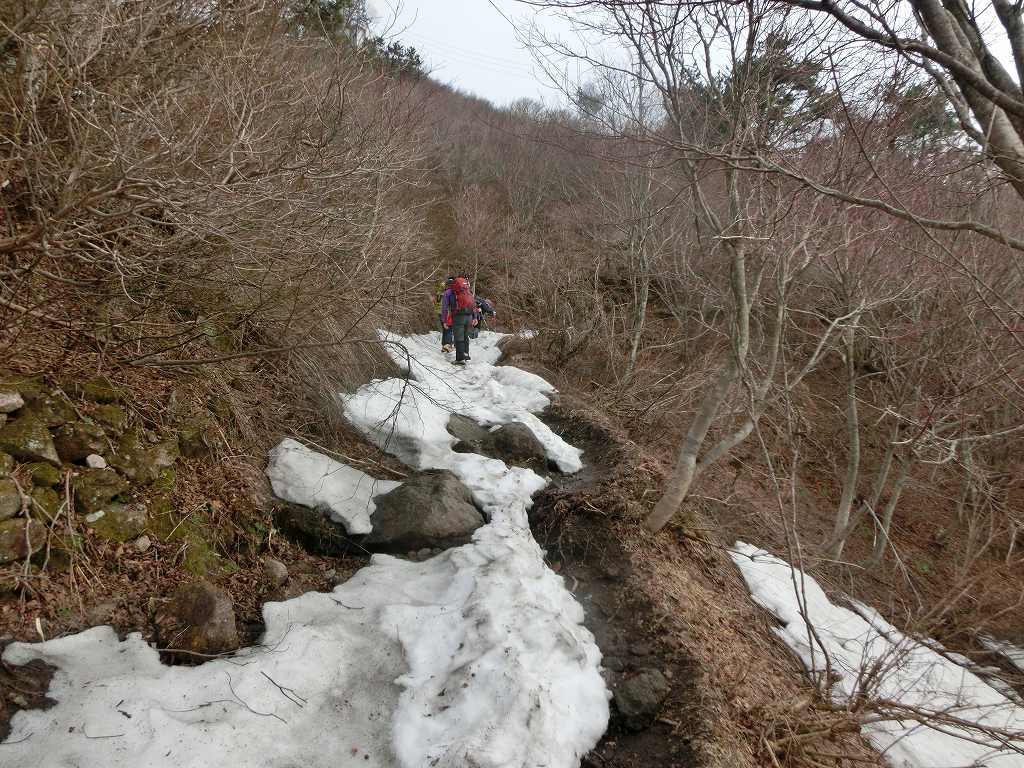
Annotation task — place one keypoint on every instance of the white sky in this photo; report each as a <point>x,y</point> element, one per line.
<point>471,45</point>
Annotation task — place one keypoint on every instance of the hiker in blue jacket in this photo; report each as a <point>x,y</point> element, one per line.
<point>445,305</point>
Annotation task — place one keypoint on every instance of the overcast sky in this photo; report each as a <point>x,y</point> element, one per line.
<point>471,44</point>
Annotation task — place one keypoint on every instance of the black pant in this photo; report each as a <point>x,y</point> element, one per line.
<point>460,327</point>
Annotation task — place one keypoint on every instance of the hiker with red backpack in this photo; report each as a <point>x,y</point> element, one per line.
<point>457,313</point>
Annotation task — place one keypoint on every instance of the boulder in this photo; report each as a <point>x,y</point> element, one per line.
<point>77,439</point>
<point>516,443</point>
<point>26,438</point>
<point>118,522</point>
<point>10,400</point>
<point>639,698</point>
<point>20,538</point>
<point>10,498</point>
<point>199,620</point>
<point>430,509</point>
<point>44,475</point>
<point>96,488</point>
<point>275,572</point>
<point>472,438</point>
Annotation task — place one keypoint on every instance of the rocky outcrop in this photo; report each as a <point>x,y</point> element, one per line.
<point>430,509</point>
<point>197,622</point>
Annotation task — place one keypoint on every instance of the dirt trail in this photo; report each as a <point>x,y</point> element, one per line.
<point>575,520</point>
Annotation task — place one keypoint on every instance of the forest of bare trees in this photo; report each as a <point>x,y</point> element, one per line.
<point>777,239</point>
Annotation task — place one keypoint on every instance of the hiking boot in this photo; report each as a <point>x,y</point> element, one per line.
<point>458,362</point>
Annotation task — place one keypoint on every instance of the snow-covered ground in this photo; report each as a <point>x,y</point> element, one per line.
<point>476,657</point>
<point>933,696</point>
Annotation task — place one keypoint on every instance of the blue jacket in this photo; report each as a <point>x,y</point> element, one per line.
<point>447,306</point>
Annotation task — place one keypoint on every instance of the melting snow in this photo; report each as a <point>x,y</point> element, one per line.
<point>302,476</point>
<point>913,676</point>
<point>475,658</point>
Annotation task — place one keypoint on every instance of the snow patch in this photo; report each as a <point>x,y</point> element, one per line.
<point>917,676</point>
<point>303,476</point>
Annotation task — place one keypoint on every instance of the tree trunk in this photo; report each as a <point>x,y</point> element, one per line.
<point>883,534</point>
<point>853,439</point>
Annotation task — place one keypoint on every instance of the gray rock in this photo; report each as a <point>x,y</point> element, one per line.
<point>52,410</point>
<point>141,462</point>
<point>198,619</point>
<point>472,438</point>
<point>639,698</point>
<point>517,443</point>
<point>10,401</point>
<point>142,544</point>
<point>43,475</point>
<point>430,509</point>
<point>10,499</point>
<point>275,572</point>
<point>77,439</point>
<point>26,438</point>
<point>6,464</point>
<point>20,538</point>
<point>95,461</point>
<point>96,488</point>
<point>118,522</point>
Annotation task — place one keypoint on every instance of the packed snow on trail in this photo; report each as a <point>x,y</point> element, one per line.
<point>476,657</point>
<point>939,704</point>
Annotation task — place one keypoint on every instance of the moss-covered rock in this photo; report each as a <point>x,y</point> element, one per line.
<point>142,462</point>
<point>202,560</point>
<point>196,437</point>
<point>78,439</point>
<point>26,438</point>
<point>6,464</point>
<point>100,389</point>
<point>10,498</point>
<point>96,488</point>
<point>52,410</point>
<point>45,504</point>
<point>118,522</point>
<point>43,474</point>
<point>20,538</point>
<point>114,417</point>
<point>29,387</point>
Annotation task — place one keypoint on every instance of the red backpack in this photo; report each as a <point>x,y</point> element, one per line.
<point>464,298</point>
